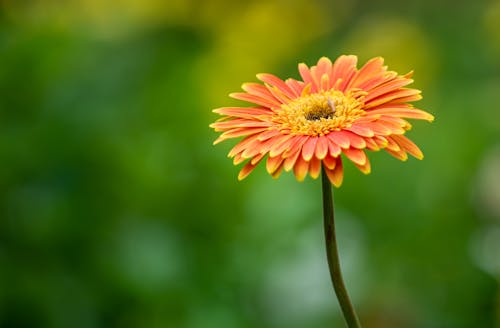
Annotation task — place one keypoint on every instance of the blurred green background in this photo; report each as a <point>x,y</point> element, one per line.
<point>117,211</point>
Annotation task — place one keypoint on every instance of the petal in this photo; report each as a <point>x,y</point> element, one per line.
<point>356,155</point>
<point>283,144</point>
<point>296,146</point>
<point>278,94</point>
<point>239,132</point>
<point>257,159</point>
<point>315,167</point>
<point>276,82</point>
<point>273,163</point>
<point>309,148</point>
<point>295,86</point>
<point>409,146</point>
<point>371,145</point>
<point>268,134</point>
<point>361,130</point>
<point>242,145</point>
<point>387,87</point>
<point>247,169</point>
<point>337,174</point>
<point>278,171</point>
<point>379,128</point>
<point>397,95</point>
<point>305,73</point>
<point>321,147</point>
<point>324,67</point>
<point>404,112</point>
<point>372,68</point>
<point>300,168</point>
<point>355,140</point>
<point>255,99</point>
<point>330,161</point>
<point>238,123</point>
<point>258,90</point>
<point>290,161</point>
<point>243,112</point>
<point>344,68</point>
<point>365,168</point>
<point>380,141</point>
<point>333,148</point>
<point>401,154</point>
<point>339,138</point>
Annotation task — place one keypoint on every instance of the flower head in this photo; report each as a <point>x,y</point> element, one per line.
<point>336,109</point>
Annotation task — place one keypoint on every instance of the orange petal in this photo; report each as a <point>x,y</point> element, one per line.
<point>356,155</point>
<point>324,67</point>
<point>247,169</point>
<point>309,148</point>
<point>409,146</point>
<point>343,69</point>
<point>273,163</point>
<point>371,145</point>
<point>333,148</point>
<point>355,140</point>
<point>276,82</point>
<point>283,144</point>
<point>300,168</point>
<point>305,73</point>
<point>243,112</point>
<point>278,171</point>
<point>295,86</point>
<point>386,88</point>
<point>392,145</point>
<point>361,129</point>
<point>238,123</point>
<point>255,99</point>
<point>321,147</point>
<point>337,174</point>
<point>401,155</point>
<point>365,168</point>
<point>278,94</point>
<point>380,141</point>
<point>259,90</point>
<point>238,159</point>
<point>257,159</point>
<point>339,138</point>
<point>378,128</point>
<point>242,145</point>
<point>404,112</point>
<point>395,96</point>
<point>240,132</point>
<point>372,68</point>
<point>295,146</point>
<point>290,161</point>
<point>268,134</point>
<point>330,161</point>
<point>315,167</point>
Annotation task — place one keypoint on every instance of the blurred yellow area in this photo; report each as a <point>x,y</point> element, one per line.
<point>404,46</point>
<point>257,38</point>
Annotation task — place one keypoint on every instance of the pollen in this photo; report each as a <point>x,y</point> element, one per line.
<point>320,113</point>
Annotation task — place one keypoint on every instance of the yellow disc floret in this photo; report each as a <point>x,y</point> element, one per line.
<point>320,113</point>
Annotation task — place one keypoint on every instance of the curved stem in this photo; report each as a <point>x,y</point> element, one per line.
<point>332,255</point>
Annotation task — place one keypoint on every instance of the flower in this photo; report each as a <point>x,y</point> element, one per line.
<point>336,109</point>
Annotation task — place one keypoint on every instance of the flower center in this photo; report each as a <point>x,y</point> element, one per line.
<point>320,113</point>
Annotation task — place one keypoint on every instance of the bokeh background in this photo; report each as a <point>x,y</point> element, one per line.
<point>117,211</point>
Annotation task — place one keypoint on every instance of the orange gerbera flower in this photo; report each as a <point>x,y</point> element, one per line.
<point>336,109</point>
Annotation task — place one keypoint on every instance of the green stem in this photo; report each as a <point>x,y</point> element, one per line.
<point>332,255</point>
